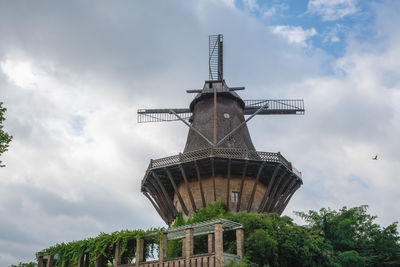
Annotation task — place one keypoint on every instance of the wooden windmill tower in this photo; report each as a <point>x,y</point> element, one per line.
<point>219,160</point>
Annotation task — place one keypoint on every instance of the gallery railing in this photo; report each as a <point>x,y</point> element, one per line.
<point>232,153</point>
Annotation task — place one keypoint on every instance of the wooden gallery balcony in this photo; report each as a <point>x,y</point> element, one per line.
<point>215,256</point>
<point>244,180</point>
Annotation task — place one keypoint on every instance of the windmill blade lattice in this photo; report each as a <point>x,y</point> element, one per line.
<point>274,107</point>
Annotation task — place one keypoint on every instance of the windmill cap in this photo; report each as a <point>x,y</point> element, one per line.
<point>222,90</point>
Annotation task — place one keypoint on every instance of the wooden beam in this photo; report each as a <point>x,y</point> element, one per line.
<point>166,195</point>
<point>213,176</point>
<point>288,199</point>
<point>156,196</point>
<point>185,210</point>
<point>164,202</point>
<point>241,185</point>
<point>288,191</point>
<point>273,193</point>
<point>285,194</point>
<point>278,195</point>
<point>200,183</point>
<point>155,206</point>
<point>271,182</point>
<point>188,187</point>
<point>255,186</point>
<point>228,185</point>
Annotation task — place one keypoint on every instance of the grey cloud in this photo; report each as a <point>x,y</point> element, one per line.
<point>106,60</point>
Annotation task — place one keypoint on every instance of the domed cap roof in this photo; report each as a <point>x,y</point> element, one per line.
<point>222,90</point>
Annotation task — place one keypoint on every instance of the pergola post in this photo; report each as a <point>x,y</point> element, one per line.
<point>139,251</point>
<point>81,260</point>
<point>188,244</point>
<point>117,259</point>
<point>86,263</point>
<point>40,261</point>
<point>210,243</point>
<point>183,246</point>
<point>50,261</point>
<point>240,242</point>
<point>219,245</point>
<point>99,261</point>
<point>163,248</point>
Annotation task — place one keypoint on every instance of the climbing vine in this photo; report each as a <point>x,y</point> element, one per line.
<point>104,245</point>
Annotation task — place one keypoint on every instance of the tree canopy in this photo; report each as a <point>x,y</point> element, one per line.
<point>5,138</point>
<point>355,237</point>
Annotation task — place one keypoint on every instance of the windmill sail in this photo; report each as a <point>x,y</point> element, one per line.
<point>274,107</point>
<point>215,57</point>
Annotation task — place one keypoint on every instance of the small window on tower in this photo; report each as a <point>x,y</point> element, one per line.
<point>235,196</point>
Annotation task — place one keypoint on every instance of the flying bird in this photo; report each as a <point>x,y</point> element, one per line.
<point>375,158</point>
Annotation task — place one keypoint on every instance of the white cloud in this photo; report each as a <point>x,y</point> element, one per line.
<point>274,10</point>
<point>294,34</point>
<point>332,9</point>
<point>332,35</point>
<point>252,5</point>
<point>75,163</point>
<point>228,3</point>
<point>19,73</point>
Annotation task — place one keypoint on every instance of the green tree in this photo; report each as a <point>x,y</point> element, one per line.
<point>355,236</point>
<point>262,248</point>
<point>5,138</point>
<point>350,258</point>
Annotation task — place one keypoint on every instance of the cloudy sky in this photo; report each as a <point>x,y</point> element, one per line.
<point>73,74</point>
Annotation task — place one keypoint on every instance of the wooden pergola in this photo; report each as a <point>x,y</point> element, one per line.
<point>215,256</point>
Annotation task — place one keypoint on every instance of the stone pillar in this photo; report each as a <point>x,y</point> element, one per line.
<point>188,244</point>
<point>183,247</point>
<point>50,261</point>
<point>210,243</point>
<point>40,261</point>
<point>117,259</point>
<point>139,251</point>
<point>240,243</point>
<point>163,248</point>
<point>219,245</point>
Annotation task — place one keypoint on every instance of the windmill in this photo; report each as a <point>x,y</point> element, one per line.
<point>219,160</point>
